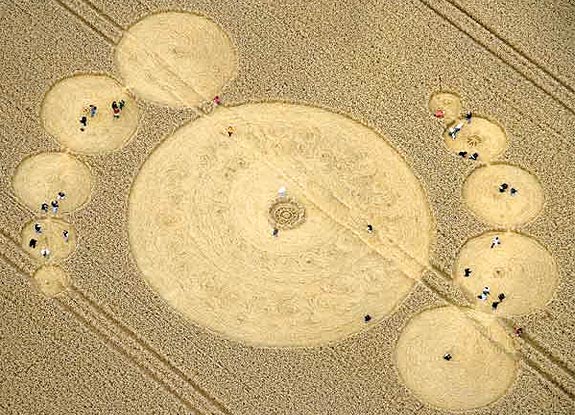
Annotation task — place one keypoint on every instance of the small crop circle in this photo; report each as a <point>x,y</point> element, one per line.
<point>286,213</point>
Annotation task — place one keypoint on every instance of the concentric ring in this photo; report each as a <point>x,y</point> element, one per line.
<point>200,231</point>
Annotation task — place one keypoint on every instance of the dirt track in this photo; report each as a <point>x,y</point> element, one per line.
<point>114,346</point>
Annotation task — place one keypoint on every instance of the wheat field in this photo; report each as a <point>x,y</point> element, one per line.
<point>258,207</point>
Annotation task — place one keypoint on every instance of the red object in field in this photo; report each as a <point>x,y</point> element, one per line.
<point>439,113</point>
<point>216,100</point>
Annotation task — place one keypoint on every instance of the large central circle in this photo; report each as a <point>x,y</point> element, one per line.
<point>201,232</point>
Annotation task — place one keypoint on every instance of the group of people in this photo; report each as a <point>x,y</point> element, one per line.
<point>91,111</point>
<point>45,208</point>
<point>453,131</point>
<point>503,187</point>
<point>117,107</point>
<point>472,156</point>
<point>38,230</point>
<point>54,204</point>
<point>496,241</point>
<point>486,292</point>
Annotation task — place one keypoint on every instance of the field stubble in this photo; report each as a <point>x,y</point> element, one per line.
<point>302,61</point>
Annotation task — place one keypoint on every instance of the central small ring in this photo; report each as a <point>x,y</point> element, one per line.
<point>286,213</point>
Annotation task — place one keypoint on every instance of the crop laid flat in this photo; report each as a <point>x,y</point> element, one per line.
<point>256,207</point>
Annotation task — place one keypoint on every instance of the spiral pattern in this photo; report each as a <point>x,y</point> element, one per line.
<point>286,213</point>
<point>209,248</point>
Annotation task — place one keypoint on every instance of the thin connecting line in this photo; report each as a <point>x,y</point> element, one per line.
<point>117,346</point>
<point>104,15</point>
<point>137,339</point>
<point>533,365</point>
<point>431,268</point>
<point>559,101</point>
<point>111,21</point>
<point>86,22</point>
<point>425,266</point>
<point>511,46</point>
<point>481,44</point>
